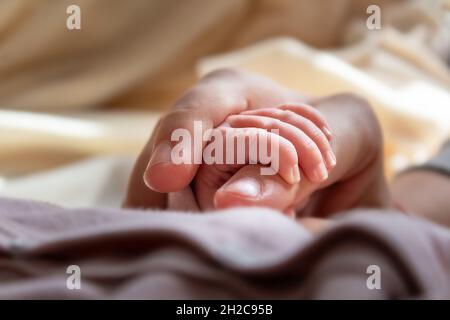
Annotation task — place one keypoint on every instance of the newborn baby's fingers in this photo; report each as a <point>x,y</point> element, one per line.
<point>257,146</point>
<point>304,124</point>
<point>224,160</point>
<point>310,113</point>
<point>311,161</point>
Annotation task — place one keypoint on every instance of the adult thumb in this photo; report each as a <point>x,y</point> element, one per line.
<point>163,173</point>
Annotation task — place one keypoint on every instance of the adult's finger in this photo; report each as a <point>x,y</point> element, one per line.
<point>203,107</point>
<point>216,96</point>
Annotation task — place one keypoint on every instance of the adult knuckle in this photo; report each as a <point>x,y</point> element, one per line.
<point>223,73</point>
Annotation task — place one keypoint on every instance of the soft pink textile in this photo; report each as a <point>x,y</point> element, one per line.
<point>240,253</point>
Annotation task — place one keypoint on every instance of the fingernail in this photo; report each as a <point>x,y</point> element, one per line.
<point>320,173</point>
<point>161,155</point>
<point>245,187</point>
<point>295,174</point>
<point>331,158</point>
<point>327,133</point>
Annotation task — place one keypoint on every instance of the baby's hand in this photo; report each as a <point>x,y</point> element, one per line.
<point>304,146</point>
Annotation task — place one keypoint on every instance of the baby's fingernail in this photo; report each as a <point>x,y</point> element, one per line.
<point>246,187</point>
<point>320,173</point>
<point>295,174</point>
<point>327,133</point>
<point>161,155</point>
<point>331,158</point>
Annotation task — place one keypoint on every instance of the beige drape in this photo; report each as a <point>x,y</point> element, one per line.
<point>144,53</point>
<point>141,52</point>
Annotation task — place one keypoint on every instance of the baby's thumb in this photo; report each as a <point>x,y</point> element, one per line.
<point>249,188</point>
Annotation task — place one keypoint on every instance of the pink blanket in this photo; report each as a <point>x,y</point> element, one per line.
<point>240,253</point>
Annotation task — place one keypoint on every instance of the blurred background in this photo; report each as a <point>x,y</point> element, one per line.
<point>76,106</point>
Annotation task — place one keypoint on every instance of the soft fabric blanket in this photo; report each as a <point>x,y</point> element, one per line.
<point>240,253</point>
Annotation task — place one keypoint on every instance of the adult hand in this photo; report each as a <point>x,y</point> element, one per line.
<point>357,180</point>
<point>216,96</point>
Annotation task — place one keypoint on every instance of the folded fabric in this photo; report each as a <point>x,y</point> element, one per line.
<point>240,253</point>
<point>439,163</point>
